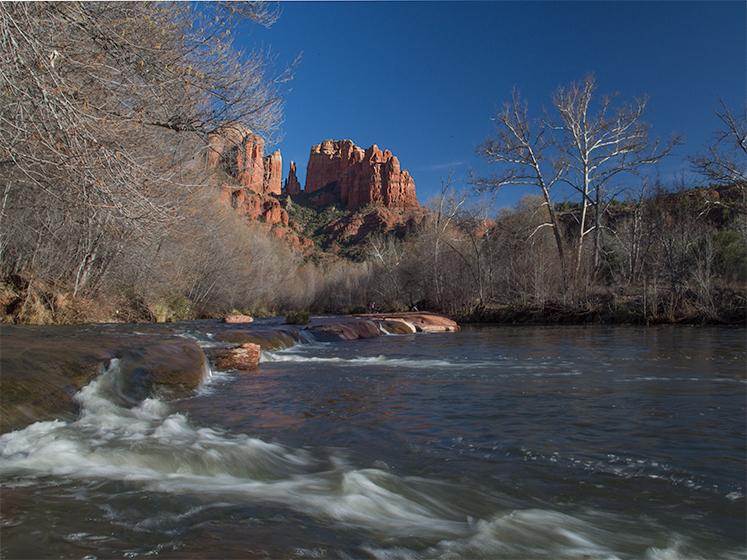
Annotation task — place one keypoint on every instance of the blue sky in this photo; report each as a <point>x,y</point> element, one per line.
<point>422,79</point>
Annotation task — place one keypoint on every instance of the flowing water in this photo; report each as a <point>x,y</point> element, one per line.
<point>493,442</point>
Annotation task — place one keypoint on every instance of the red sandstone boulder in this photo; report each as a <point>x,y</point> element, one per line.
<point>254,205</point>
<point>273,213</point>
<point>238,319</point>
<point>243,357</point>
<point>359,177</point>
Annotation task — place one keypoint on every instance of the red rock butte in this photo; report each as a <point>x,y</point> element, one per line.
<point>358,177</point>
<point>240,153</point>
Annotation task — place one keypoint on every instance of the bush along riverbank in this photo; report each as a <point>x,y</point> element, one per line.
<point>24,300</point>
<point>614,309</point>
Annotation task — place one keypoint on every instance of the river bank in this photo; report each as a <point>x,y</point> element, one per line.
<point>36,303</point>
<point>611,309</point>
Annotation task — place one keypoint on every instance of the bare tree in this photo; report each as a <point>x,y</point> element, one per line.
<point>725,159</point>
<point>446,209</point>
<point>524,145</point>
<point>103,109</point>
<point>596,148</point>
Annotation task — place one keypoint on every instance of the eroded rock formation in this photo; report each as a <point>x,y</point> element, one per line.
<point>240,154</point>
<point>292,186</point>
<point>340,170</point>
<point>273,173</point>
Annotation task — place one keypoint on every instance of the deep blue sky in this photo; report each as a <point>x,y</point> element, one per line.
<point>422,79</point>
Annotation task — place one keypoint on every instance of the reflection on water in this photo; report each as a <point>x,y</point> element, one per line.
<point>494,442</point>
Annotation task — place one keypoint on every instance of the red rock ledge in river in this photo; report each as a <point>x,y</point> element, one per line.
<point>416,320</point>
<point>369,326</point>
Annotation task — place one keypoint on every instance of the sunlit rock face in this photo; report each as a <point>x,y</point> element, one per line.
<point>240,154</point>
<point>273,177</point>
<point>340,170</point>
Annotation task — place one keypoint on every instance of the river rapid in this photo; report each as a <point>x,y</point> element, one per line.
<point>584,442</point>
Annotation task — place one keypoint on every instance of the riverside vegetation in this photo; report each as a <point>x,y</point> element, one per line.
<point>108,212</point>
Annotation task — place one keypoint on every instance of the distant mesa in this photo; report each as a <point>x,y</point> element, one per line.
<point>338,170</point>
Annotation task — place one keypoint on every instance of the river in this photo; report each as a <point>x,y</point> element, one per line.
<point>584,442</point>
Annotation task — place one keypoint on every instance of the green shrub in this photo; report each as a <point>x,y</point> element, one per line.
<point>172,305</point>
<point>731,255</point>
<point>297,318</point>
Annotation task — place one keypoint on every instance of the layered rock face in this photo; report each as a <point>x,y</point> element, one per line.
<point>241,154</point>
<point>358,177</point>
<point>273,173</point>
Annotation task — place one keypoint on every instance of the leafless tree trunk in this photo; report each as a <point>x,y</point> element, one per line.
<point>104,108</point>
<point>597,148</point>
<point>522,145</point>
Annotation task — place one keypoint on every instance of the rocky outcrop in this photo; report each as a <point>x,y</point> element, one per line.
<point>238,319</point>
<point>42,373</point>
<point>330,161</point>
<point>340,170</point>
<point>255,205</point>
<point>353,228</point>
<point>292,186</point>
<point>240,154</point>
<point>371,326</point>
<point>273,177</point>
<point>420,321</point>
<point>243,357</point>
<point>348,329</point>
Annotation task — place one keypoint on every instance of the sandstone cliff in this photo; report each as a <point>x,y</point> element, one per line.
<point>240,154</point>
<point>340,170</point>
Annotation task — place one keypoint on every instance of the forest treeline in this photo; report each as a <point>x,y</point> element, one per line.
<point>107,211</point>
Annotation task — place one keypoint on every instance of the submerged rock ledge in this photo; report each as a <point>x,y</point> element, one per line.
<point>43,368</point>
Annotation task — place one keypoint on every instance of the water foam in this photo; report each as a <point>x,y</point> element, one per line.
<point>149,446</point>
<point>380,360</point>
<point>159,450</point>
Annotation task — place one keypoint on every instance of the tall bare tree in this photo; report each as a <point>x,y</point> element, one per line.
<point>724,161</point>
<point>582,149</point>
<point>523,144</point>
<point>595,148</point>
